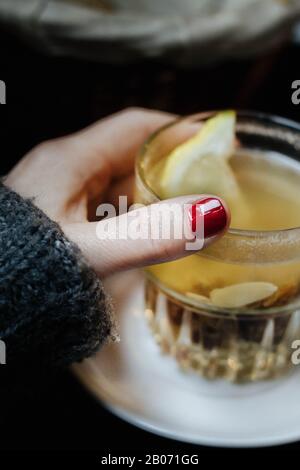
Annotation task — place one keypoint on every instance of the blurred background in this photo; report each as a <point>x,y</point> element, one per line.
<point>68,63</point>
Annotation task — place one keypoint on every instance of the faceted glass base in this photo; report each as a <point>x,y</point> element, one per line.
<point>236,347</point>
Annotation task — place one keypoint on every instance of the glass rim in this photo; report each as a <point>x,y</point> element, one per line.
<point>270,118</point>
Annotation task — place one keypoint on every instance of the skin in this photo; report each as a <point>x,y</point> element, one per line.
<point>68,177</point>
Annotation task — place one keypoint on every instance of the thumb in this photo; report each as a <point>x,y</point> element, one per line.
<point>152,234</point>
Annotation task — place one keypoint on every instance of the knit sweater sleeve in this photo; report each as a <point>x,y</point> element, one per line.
<point>53,308</point>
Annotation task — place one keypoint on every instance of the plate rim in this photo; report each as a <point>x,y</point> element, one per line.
<point>85,377</point>
<point>90,379</point>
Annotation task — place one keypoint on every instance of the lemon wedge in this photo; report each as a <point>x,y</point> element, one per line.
<point>200,164</point>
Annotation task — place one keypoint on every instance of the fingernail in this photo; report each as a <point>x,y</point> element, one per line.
<point>209,216</point>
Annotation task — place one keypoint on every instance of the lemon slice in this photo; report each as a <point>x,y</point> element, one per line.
<point>200,165</point>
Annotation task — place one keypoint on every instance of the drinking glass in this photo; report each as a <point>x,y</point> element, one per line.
<point>238,344</point>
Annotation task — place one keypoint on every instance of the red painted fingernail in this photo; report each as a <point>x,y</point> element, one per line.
<point>210,212</point>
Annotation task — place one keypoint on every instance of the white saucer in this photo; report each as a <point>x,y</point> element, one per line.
<point>147,389</point>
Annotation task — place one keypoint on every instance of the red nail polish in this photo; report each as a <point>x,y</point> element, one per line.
<point>211,213</point>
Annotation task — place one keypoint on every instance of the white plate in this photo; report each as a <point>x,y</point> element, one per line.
<point>147,389</point>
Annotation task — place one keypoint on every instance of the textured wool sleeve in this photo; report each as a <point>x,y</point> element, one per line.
<point>53,309</point>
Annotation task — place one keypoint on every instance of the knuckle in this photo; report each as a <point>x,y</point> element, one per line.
<point>160,249</point>
<point>136,112</point>
<point>50,150</point>
<point>43,149</point>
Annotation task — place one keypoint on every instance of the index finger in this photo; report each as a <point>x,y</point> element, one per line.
<point>56,171</point>
<point>114,141</point>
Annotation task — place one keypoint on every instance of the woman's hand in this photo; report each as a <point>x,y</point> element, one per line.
<point>70,176</point>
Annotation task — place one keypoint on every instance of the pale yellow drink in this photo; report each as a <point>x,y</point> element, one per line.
<point>270,190</point>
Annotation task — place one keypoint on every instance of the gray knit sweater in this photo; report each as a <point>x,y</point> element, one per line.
<point>53,309</point>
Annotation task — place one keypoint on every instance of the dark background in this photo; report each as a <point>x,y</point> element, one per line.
<point>48,97</point>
